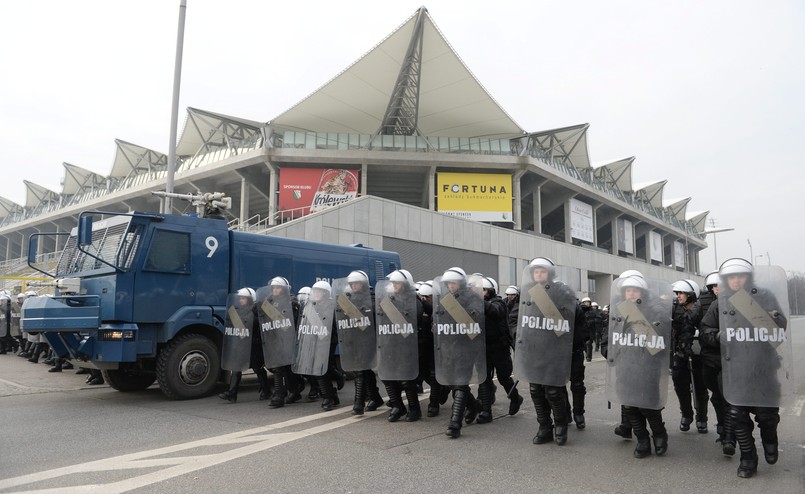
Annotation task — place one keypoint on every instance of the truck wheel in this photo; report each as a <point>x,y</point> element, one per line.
<point>188,366</point>
<point>128,379</point>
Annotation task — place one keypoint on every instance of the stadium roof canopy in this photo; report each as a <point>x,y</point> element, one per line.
<point>205,131</point>
<point>411,83</point>
<point>78,180</point>
<point>677,207</point>
<point>36,195</point>
<point>698,220</point>
<point>8,207</point>
<point>616,173</point>
<point>132,160</point>
<point>651,192</point>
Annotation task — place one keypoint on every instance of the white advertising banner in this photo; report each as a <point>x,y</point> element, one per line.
<point>625,236</point>
<point>582,225</point>
<point>655,246</point>
<point>679,254</point>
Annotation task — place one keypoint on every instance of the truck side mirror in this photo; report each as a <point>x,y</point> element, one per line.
<point>33,248</point>
<point>85,230</point>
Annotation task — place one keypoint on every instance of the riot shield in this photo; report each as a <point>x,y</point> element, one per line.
<point>5,320</point>
<point>397,344</point>
<point>755,339</point>
<point>544,344</point>
<point>277,325</point>
<point>313,338</point>
<point>354,318</point>
<point>15,319</point>
<point>639,342</point>
<point>237,345</point>
<point>459,340</point>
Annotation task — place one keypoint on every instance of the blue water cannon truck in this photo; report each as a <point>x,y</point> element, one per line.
<point>142,296</point>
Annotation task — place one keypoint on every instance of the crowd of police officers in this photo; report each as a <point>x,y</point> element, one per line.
<point>728,343</point>
<point>456,331</point>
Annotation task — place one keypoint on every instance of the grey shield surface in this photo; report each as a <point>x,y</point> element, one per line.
<point>354,318</point>
<point>639,346</point>
<point>397,345</point>
<point>544,344</point>
<point>459,341</point>
<point>237,345</point>
<point>5,321</point>
<point>756,368</point>
<point>15,320</point>
<point>314,336</point>
<point>277,326</point>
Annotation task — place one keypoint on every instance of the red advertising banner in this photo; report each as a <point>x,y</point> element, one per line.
<point>307,190</point>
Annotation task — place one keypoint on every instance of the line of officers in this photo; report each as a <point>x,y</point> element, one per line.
<point>455,331</point>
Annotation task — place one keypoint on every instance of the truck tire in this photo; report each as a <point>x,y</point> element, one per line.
<point>128,379</point>
<point>188,367</point>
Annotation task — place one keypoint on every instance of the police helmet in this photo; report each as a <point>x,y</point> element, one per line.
<point>4,299</point>
<point>399,276</point>
<point>489,283</point>
<point>606,308</point>
<point>303,294</point>
<point>595,305</point>
<point>358,277</point>
<point>31,293</point>
<point>408,276</point>
<point>280,281</point>
<point>544,263</point>
<point>246,292</point>
<point>630,272</point>
<point>686,286</point>
<point>454,274</point>
<point>634,282</point>
<point>426,289</point>
<point>512,290</point>
<point>711,279</point>
<point>736,265</point>
<point>20,296</point>
<point>322,285</point>
<point>586,299</point>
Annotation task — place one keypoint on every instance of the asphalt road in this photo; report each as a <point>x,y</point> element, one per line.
<point>60,435</point>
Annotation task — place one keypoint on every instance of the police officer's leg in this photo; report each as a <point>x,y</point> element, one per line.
<point>231,395</point>
<point>557,398</point>
<point>577,388</point>
<point>700,395</point>
<point>624,429</point>
<point>485,392</point>
<point>543,409</point>
<point>680,374</point>
<point>373,393</point>
<point>743,427</point>
<point>265,385</point>
<point>280,388</point>
<point>412,393</point>
<point>710,379</point>
<point>395,390</point>
<point>360,393</point>
<point>504,369</point>
<point>638,421</point>
<point>658,432</point>
<point>437,392</point>
<point>460,394</point>
<point>767,419</point>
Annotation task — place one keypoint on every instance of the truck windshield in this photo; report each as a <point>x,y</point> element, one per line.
<point>114,241</point>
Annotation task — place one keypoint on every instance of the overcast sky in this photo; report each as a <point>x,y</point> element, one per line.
<point>707,94</point>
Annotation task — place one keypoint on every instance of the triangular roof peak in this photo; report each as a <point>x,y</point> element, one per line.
<point>411,83</point>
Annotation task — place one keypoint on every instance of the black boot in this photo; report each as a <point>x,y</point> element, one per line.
<point>264,385</point>
<point>57,366</point>
<point>543,409</point>
<point>728,441</point>
<point>768,436</point>
<point>684,423</point>
<point>516,402</point>
<point>414,410</point>
<point>394,390</point>
<point>280,390</point>
<point>473,408</point>
<point>329,398</point>
<point>360,395</point>
<point>315,392</point>
<point>658,432</point>
<point>38,349</point>
<point>435,396</point>
<point>295,385</point>
<point>231,395</point>
<point>746,442</point>
<point>459,405</point>
<point>624,430</point>
<point>638,422</point>
<point>485,400</point>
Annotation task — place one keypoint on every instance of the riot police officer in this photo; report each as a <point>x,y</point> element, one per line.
<point>638,359</point>
<point>498,353</point>
<point>750,375</point>
<point>427,367</point>
<point>550,334</point>
<point>242,347</point>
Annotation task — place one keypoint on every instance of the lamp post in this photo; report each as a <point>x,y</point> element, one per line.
<point>167,205</point>
<point>715,244</point>
<point>751,256</point>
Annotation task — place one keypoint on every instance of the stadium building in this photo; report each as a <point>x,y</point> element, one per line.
<point>404,150</point>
